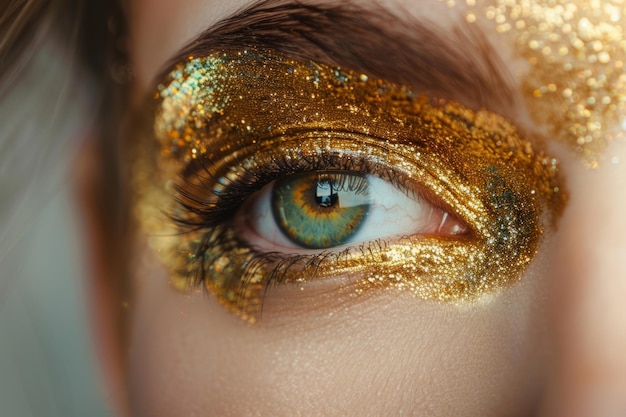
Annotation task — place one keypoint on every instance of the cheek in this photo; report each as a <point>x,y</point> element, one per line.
<point>388,354</point>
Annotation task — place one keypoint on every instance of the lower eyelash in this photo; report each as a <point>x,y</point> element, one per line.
<point>275,267</point>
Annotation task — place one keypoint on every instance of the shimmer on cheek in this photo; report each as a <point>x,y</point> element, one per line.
<point>229,123</point>
<point>576,84</point>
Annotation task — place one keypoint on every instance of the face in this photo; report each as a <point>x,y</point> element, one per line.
<point>378,208</point>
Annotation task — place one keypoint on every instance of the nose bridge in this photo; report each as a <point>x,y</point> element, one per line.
<point>587,302</point>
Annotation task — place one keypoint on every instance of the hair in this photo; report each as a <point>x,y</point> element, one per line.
<point>61,63</point>
<point>53,73</point>
<point>61,66</point>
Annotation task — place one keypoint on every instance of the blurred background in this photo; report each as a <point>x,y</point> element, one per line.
<point>47,364</point>
<point>47,108</point>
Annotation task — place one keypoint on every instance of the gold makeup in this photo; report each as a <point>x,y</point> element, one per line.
<point>576,51</point>
<point>231,122</point>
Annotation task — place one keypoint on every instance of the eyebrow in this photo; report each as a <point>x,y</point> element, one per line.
<point>457,64</point>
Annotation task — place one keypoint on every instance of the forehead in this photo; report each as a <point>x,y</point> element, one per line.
<point>161,27</point>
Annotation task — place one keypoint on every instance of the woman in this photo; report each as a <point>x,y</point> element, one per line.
<point>365,208</point>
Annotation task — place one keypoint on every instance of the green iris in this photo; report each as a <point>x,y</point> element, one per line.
<point>319,210</point>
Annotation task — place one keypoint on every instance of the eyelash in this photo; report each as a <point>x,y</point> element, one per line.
<point>212,215</point>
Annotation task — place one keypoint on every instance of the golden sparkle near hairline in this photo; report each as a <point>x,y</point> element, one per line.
<point>242,110</point>
<point>576,82</point>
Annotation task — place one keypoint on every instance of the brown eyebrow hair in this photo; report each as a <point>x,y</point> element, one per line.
<point>456,64</point>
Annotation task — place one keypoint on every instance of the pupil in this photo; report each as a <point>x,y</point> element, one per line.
<point>326,194</point>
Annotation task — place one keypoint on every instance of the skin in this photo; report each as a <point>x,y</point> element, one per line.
<point>551,345</point>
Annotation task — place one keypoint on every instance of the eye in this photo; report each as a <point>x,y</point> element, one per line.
<point>328,209</point>
<point>272,171</point>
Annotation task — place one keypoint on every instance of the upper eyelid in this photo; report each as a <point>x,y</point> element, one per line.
<point>455,64</point>
<point>267,171</point>
<point>266,71</point>
<point>274,168</point>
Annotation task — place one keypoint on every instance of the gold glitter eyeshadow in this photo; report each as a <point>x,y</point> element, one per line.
<point>576,83</point>
<point>231,122</point>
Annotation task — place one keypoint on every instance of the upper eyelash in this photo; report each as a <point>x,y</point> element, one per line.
<point>240,188</point>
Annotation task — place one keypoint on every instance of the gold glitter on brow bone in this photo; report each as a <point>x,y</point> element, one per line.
<point>576,84</point>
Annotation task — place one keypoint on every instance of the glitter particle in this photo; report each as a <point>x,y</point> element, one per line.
<point>569,45</point>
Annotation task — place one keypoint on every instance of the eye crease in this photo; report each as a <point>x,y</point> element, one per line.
<point>237,123</point>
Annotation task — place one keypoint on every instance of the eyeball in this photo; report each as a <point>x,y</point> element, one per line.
<point>322,210</point>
